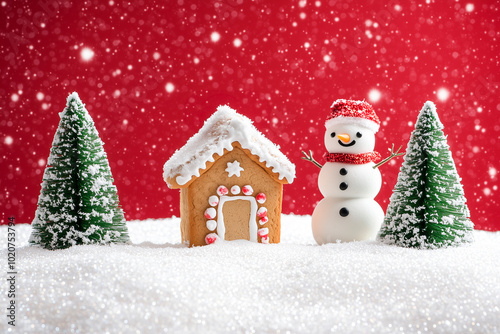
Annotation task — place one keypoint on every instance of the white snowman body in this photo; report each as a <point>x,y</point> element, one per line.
<point>342,180</point>
<point>363,220</point>
<point>348,211</point>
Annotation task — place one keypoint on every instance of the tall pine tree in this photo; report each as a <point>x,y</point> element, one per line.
<point>78,202</point>
<point>427,208</point>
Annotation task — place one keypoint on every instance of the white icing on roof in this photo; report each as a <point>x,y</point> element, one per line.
<point>219,132</point>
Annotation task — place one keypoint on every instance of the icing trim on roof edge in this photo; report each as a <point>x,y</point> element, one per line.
<point>219,132</point>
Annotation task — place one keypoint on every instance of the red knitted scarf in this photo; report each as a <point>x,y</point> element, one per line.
<point>357,159</point>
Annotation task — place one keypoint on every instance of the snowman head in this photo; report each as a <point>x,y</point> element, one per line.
<point>351,127</point>
<point>349,138</point>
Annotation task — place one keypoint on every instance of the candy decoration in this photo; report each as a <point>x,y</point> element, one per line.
<point>263,232</point>
<point>211,224</point>
<point>263,220</point>
<point>248,190</point>
<point>235,190</point>
<point>213,200</point>
<point>222,191</point>
<point>210,238</point>
<point>210,213</point>
<point>262,212</point>
<point>261,198</point>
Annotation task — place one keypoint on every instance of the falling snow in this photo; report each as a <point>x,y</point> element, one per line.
<point>237,42</point>
<point>169,87</point>
<point>87,54</point>
<point>443,94</point>
<point>374,95</point>
<point>215,36</point>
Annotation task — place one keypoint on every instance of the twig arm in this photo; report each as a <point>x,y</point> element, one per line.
<point>310,158</point>
<point>392,155</point>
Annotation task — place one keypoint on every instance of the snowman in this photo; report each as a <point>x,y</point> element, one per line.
<point>350,179</point>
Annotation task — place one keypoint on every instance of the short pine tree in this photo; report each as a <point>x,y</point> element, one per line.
<point>427,208</point>
<point>78,202</point>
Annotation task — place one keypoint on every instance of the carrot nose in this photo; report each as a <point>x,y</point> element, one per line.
<point>344,137</point>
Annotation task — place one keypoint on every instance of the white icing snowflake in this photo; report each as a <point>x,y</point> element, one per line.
<point>234,168</point>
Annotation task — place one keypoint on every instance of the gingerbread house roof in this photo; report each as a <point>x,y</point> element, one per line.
<point>219,133</point>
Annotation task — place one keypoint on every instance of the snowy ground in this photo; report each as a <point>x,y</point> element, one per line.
<point>157,286</point>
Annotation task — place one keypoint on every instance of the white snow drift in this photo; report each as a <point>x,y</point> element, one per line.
<point>158,286</point>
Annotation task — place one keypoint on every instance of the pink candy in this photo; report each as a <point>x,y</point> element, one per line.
<point>222,191</point>
<point>247,190</point>
<point>261,198</point>
<point>263,220</point>
<point>235,190</point>
<point>262,212</point>
<point>263,232</point>
<point>211,238</point>
<point>210,213</point>
<point>213,200</point>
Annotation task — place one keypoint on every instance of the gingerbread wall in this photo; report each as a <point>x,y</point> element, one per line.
<point>185,216</point>
<point>195,198</point>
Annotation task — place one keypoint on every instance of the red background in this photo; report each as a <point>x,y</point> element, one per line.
<point>158,71</point>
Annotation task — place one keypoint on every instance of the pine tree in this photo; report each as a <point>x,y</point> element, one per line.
<point>427,208</point>
<point>78,202</point>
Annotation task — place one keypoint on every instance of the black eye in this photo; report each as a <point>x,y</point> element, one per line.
<point>332,134</point>
<point>359,135</point>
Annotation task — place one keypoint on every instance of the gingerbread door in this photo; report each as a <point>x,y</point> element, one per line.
<point>236,214</point>
<point>236,218</point>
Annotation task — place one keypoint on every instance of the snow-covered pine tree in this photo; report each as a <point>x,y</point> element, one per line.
<point>427,208</point>
<point>78,202</point>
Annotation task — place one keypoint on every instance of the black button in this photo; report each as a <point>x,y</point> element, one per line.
<point>344,212</point>
<point>343,171</point>
<point>343,186</point>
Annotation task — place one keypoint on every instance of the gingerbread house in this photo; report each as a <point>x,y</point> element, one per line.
<point>231,180</point>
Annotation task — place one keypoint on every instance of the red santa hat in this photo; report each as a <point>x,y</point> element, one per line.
<point>353,112</point>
